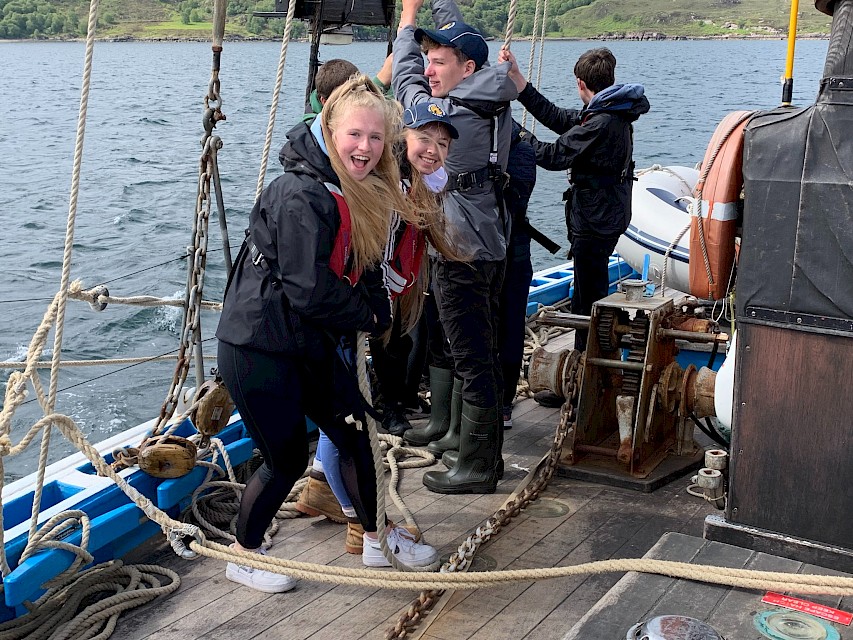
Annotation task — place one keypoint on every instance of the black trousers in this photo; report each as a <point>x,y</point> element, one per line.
<point>274,392</point>
<point>592,281</point>
<point>513,314</point>
<point>438,345</point>
<point>468,296</point>
<point>391,364</point>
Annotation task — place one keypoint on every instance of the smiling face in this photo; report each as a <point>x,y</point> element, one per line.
<point>445,71</point>
<point>359,138</point>
<point>426,147</point>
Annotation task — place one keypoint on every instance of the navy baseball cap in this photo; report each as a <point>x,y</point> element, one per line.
<point>459,36</point>
<point>423,113</point>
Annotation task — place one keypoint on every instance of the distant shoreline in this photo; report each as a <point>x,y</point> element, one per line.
<point>632,38</point>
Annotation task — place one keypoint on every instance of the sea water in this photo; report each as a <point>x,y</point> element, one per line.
<point>140,173</point>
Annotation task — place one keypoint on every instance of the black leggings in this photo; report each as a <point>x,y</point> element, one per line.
<point>274,393</point>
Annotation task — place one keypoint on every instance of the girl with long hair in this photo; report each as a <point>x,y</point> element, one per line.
<point>307,281</point>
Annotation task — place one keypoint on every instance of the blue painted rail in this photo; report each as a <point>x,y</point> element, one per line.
<point>117,525</point>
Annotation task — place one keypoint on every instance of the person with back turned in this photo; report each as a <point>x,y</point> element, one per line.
<point>597,144</point>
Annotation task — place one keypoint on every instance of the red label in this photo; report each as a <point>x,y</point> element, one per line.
<point>812,608</point>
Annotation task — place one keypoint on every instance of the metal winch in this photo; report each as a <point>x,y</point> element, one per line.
<point>636,403</point>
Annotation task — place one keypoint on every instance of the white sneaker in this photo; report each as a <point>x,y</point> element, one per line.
<point>258,579</point>
<point>406,550</point>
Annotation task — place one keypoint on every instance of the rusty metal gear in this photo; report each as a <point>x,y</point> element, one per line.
<point>608,340</point>
<point>669,387</point>
<point>638,337</point>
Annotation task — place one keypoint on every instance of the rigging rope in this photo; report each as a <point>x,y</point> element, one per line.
<point>66,265</point>
<point>541,53</point>
<point>279,78</point>
<point>533,36</point>
<point>510,23</point>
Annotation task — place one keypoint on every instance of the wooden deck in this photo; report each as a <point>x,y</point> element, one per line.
<point>599,522</point>
<point>638,597</point>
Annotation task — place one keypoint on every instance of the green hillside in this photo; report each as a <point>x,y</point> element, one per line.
<point>151,19</point>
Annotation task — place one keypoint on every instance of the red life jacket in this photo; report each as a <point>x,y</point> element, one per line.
<point>405,260</point>
<point>341,262</point>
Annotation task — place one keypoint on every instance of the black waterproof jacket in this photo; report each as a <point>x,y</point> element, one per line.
<point>596,143</point>
<point>291,301</point>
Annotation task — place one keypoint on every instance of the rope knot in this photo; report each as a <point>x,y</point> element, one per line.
<point>5,445</point>
<point>16,387</point>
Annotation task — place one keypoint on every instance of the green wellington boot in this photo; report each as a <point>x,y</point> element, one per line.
<point>451,438</point>
<point>441,394</point>
<point>449,458</point>
<point>476,469</point>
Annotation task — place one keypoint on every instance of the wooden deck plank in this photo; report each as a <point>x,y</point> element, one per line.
<point>527,610</point>
<point>665,518</point>
<point>729,611</point>
<point>739,606</point>
<point>607,619</point>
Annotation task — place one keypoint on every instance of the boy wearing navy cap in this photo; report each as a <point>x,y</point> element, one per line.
<point>476,97</point>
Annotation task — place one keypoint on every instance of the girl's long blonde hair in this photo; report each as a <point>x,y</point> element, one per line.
<point>372,199</point>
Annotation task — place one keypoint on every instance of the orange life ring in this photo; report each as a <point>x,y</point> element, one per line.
<point>713,226</point>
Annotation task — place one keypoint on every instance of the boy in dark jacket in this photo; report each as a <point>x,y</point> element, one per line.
<point>597,144</point>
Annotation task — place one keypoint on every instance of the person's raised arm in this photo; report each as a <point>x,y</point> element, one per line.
<point>557,119</point>
<point>383,77</point>
<point>408,80</point>
<point>561,154</point>
<point>444,11</point>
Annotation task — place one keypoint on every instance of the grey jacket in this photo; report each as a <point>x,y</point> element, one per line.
<point>473,218</point>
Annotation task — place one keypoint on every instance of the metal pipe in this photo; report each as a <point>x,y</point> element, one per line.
<point>569,320</point>
<point>601,451</point>
<point>615,364</point>
<point>692,336</point>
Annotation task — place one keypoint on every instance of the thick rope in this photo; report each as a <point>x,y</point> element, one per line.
<point>378,465</point>
<point>63,614</point>
<point>533,37</point>
<point>510,24</point>
<point>798,583</point>
<point>279,78</point>
<point>377,579</point>
<point>418,580</point>
<point>97,299</point>
<point>66,258</point>
<point>541,53</point>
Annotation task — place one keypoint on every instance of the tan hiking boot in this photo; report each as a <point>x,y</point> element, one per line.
<point>317,499</point>
<point>355,537</point>
<point>354,542</point>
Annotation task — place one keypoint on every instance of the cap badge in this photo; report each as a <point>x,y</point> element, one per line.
<point>435,110</point>
<point>449,25</point>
